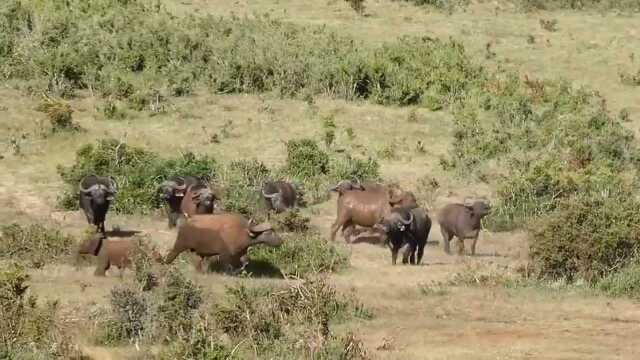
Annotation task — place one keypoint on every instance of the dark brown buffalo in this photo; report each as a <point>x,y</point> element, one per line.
<point>172,192</point>
<point>279,195</point>
<point>198,200</point>
<point>366,207</point>
<point>463,222</point>
<point>409,228</point>
<point>227,235</point>
<point>96,194</point>
<point>113,252</point>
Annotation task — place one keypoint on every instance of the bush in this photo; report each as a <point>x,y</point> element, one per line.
<point>34,244</point>
<point>305,159</point>
<point>625,282</point>
<point>27,330</point>
<point>180,299</point>
<point>302,254</point>
<point>59,114</point>
<point>290,322</point>
<point>138,173</point>
<point>201,343</point>
<point>443,5</point>
<point>587,235</point>
<point>357,5</point>
<point>242,181</point>
<point>139,48</point>
<point>620,5</point>
<point>130,316</point>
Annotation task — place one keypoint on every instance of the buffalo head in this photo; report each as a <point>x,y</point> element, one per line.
<point>479,208</point>
<point>263,233</point>
<point>99,192</point>
<point>346,185</point>
<point>173,188</point>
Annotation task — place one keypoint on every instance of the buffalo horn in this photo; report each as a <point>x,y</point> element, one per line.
<point>407,222</point>
<point>87,190</point>
<point>270,196</point>
<point>260,228</point>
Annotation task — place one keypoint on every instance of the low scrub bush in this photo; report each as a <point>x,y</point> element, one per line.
<point>202,342</point>
<point>630,78</point>
<point>28,330</point>
<point>302,254</point>
<point>587,236</point>
<point>305,159</point>
<point>625,282</point>
<point>59,114</point>
<point>140,48</point>
<point>34,244</point>
<point>242,181</point>
<point>180,300</point>
<point>291,322</point>
<point>138,173</point>
<point>448,6</point>
<point>620,5</point>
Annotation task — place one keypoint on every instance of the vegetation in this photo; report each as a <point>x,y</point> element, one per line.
<point>138,173</point>
<point>625,282</point>
<point>272,319</point>
<point>56,47</point>
<point>302,254</point>
<point>34,244</point>
<point>28,330</point>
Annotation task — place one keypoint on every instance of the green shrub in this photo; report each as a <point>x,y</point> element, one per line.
<point>28,330</point>
<point>180,299</point>
<point>34,244</point>
<point>138,48</point>
<point>348,167</point>
<point>302,254</point>
<point>202,343</point>
<point>443,5</point>
<point>59,114</point>
<point>624,282</point>
<point>305,159</point>
<point>587,235</point>
<point>290,221</point>
<point>280,321</point>
<point>138,173</point>
<point>242,181</point>
<point>130,316</point>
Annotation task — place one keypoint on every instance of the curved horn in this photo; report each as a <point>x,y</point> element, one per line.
<point>88,189</point>
<point>407,222</point>
<point>270,196</point>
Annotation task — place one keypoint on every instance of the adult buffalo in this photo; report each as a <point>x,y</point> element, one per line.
<point>198,200</point>
<point>279,195</point>
<point>409,228</point>
<point>227,235</point>
<point>96,194</point>
<point>172,191</point>
<point>366,207</point>
<point>462,221</point>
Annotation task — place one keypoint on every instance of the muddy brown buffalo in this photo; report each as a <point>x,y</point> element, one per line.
<point>113,252</point>
<point>227,235</point>
<point>366,207</point>
<point>462,221</point>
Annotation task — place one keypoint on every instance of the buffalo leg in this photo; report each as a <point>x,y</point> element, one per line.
<point>420,254</point>
<point>334,228</point>
<point>473,245</point>
<point>102,267</point>
<point>172,256</point>
<point>460,246</point>
<point>347,230</point>
<point>394,254</point>
<point>446,238</point>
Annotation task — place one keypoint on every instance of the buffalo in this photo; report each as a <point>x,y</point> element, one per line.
<point>112,252</point>
<point>199,199</point>
<point>279,195</point>
<point>96,194</point>
<point>366,207</point>
<point>172,192</point>
<point>407,227</point>
<point>227,235</point>
<point>462,221</point>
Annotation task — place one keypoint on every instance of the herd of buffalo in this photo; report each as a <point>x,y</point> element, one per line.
<point>389,213</point>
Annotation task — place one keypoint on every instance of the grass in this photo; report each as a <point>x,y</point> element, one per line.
<point>35,244</point>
